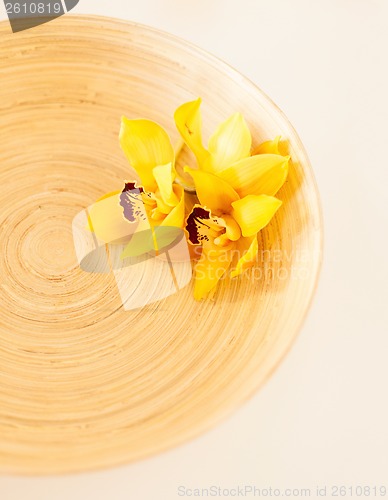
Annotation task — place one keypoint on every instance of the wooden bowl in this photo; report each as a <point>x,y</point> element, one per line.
<point>85,384</point>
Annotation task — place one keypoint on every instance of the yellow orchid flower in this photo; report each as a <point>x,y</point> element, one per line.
<point>235,191</point>
<point>148,149</point>
<point>157,201</point>
<point>231,141</point>
<point>227,219</point>
<point>230,145</point>
<point>154,201</point>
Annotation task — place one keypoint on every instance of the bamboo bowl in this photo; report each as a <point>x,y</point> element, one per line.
<point>85,384</point>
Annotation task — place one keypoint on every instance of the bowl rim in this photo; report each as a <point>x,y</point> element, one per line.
<point>253,89</point>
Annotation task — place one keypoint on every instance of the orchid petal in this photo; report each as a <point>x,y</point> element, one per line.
<point>269,147</point>
<point>151,241</point>
<point>259,174</point>
<point>105,219</point>
<point>141,243</point>
<point>131,201</point>
<point>161,208</point>
<point>210,268</point>
<point>202,227</point>
<point>146,145</point>
<point>212,191</point>
<point>253,213</point>
<point>176,217</point>
<point>248,248</point>
<point>232,229</point>
<point>276,146</point>
<point>164,177</point>
<point>188,121</point>
<point>231,142</point>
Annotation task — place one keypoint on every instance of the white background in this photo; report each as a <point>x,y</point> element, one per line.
<point>322,418</point>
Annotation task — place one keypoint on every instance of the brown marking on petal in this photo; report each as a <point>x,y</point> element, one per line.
<point>130,186</point>
<point>194,222</point>
<point>132,203</point>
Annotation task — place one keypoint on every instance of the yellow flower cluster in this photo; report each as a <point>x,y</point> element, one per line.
<point>235,189</point>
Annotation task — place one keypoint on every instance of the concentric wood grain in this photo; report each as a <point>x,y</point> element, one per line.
<point>83,383</point>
